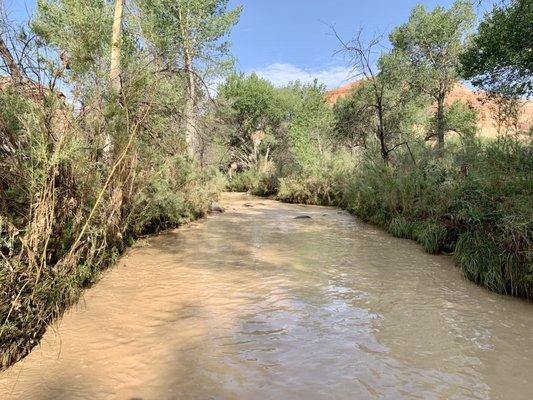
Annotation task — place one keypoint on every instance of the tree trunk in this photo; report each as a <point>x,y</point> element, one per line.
<point>189,112</point>
<point>13,67</point>
<point>114,71</point>
<point>381,133</point>
<point>383,146</point>
<point>190,100</point>
<point>440,119</point>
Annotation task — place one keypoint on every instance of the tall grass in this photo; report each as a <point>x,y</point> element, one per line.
<point>474,201</point>
<point>69,206</point>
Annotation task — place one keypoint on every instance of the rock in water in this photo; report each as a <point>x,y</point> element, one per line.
<point>215,207</point>
<point>302,217</point>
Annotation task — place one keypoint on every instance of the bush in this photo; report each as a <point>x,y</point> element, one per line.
<point>177,193</point>
<point>244,181</point>
<point>474,201</point>
<point>68,210</point>
<point>323,182</point>
<point>261,183</point>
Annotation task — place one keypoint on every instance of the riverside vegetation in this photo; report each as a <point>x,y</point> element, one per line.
<point>83,177</point>
<point>380,154</point>
<point>139,145</point>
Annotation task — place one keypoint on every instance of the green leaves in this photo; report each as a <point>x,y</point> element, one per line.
<point>432,42</point>
<point>310,126</point>
<point>429,46</point>
<point>200,26</point>
<point>79,29</point>
<point>355,116</point>
<point>500,56</point>
<point>253,103</point>
<point>296,119</point>
<point>462,119</point>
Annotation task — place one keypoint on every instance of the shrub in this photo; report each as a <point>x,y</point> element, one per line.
<point>474,201</point>
<point>68,210</point>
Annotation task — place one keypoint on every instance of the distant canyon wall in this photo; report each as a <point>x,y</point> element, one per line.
<point>486,108</point>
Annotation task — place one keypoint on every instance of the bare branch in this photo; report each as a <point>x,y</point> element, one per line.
<point>361,57</point>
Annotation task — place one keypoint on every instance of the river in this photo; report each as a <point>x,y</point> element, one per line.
<point>255,304</point>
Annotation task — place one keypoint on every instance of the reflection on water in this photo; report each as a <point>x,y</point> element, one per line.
<point>254,304</point>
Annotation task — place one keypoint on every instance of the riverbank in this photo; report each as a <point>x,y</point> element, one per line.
<point>32,300</point>
<point>256,304</point>
<point>474,202</point>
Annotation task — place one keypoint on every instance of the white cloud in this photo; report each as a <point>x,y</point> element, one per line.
<point>281,74</point>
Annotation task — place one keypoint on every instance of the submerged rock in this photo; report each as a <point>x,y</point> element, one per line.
<point>215,207</point>
<point>303,217</point>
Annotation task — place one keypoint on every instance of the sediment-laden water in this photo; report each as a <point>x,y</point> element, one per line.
<point>255,304</point>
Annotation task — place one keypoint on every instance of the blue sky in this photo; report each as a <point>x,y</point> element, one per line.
<point>284,40</point>
<point>287,39</point>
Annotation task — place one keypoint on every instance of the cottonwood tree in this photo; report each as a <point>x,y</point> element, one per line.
<point>309,123</point>
<point>499,57</point>
<point>361,57</point>
<point>114,69</point>
<point>354,119</point>
<point>505,110</point>
<point>80,32</point>
<point>432,42</point>
<point>254,112</point>
<point>188,36</point>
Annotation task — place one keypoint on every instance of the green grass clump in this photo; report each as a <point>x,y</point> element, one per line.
<point>474,200</point>
<point>400,227</point>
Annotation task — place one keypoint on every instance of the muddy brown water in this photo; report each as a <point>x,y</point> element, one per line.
<point>255,304</point>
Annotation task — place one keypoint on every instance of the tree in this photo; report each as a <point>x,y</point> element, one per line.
<point>381,102</point>
<point>361,60</point>
<point>79,30</point>
<point>505,111</point>
<point>461,118</point>
<point>432,43</point>
<point>310,121</point>
<point>499,57</point>
<point>114,70</point>
<point>354,118</point>
<point>12,67</point>
<point>188,36</point>
<point>253,110</point>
